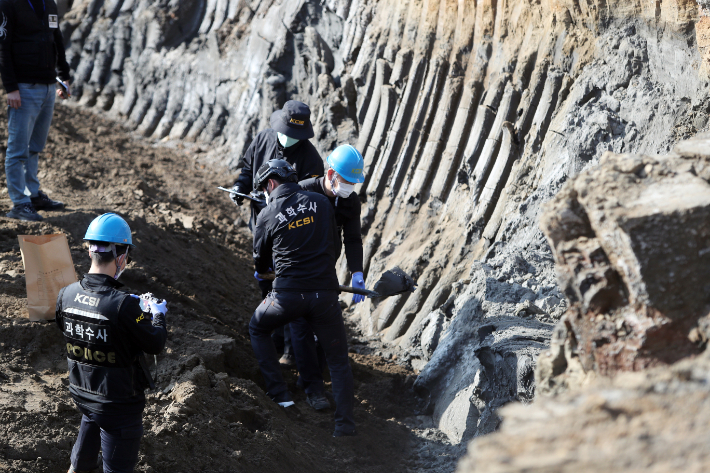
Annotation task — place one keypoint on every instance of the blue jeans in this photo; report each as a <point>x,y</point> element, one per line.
<point>322,311</point>
<point>118,437</point>
<point>27,127</point>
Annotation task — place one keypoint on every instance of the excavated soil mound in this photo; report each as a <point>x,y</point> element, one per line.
<point>209,412</point>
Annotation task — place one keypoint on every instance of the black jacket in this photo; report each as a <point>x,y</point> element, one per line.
<point>303,156</point>
<point>347,218</point>
<point>106,333</point>
<point>296,232</point>
<point>31,44</point>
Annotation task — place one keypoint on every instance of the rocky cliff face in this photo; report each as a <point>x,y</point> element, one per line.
<point>630,239</point>
<point>470,116</point>
<point>616,425</point>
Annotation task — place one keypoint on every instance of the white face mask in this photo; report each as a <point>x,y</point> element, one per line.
<point>341,189</point>
<point>286,141</point>
<point>120,271</point>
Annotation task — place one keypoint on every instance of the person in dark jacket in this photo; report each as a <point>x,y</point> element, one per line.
<point>338,185</point>
<point>286,139</point>
<point>346,165</point>
<point>295,233</point>
<point>106,332</point>
<point>31,52</point>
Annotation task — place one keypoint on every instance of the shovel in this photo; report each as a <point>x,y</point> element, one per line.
<point>254,196</point>
<point>392,282</point>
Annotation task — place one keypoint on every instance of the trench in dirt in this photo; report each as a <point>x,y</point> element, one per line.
<point>210,412</point>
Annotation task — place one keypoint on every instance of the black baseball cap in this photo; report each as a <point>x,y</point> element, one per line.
<point>294,120</point>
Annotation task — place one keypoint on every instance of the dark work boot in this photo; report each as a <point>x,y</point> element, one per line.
<point>43,202</point>
<point>318,401</point>
<point>344,433</point>
<point>24,212</point>
<point>283,399</point>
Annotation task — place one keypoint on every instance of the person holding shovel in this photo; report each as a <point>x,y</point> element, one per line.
<point>338,185</point>
<point>106,332</point>
<point>346,165</point>
<point>296,234</point>
<point>287,139</point>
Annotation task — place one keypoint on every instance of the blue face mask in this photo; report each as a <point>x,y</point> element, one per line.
<point>286,141</point>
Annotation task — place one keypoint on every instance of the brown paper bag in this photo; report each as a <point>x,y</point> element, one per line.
<point>48,268</point>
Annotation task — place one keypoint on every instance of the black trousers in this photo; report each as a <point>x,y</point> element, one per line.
<point>117,436</point>
<point>322,311</point>
<point>282,335</point>
<point>310,357</point>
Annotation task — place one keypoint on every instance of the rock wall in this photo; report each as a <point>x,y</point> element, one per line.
<point>470,115</point>
<point>628,367</point>
<point>613,425</point>
<point>630,240</point>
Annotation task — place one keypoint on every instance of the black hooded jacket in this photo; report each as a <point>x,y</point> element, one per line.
<point>303,156</point>
<point>31,44</point>
<point>295,232</point>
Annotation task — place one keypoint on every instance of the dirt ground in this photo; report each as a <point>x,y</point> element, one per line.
<point>209,413</point>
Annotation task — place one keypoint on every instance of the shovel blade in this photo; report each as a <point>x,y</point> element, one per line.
<point>394,282</point>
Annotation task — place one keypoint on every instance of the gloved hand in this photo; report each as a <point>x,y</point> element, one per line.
<point>256,275</point>
<point>158,307</point>
<point>358,283</point>
<point>263,201</point>
<point>152,303</point>
<point>235,198</point>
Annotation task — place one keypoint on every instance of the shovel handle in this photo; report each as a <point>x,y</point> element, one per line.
<point>246,196</point>
<point>362,292</point>
<point>352,290</point>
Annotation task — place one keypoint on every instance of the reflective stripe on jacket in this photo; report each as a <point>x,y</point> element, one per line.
<point>106,333</point>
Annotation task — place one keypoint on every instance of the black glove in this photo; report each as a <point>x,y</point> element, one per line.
<point>260,204</point>
<point>239,200</point>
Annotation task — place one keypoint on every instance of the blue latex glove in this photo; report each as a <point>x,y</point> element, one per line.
<point>358,283</point>
<point>152,303</point>
<point>256,274</point>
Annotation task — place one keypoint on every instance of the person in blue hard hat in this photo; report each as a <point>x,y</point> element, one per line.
<point>106,332</point>
<point>338,185</point>
<point>295,233</point>
<point>346,165</point>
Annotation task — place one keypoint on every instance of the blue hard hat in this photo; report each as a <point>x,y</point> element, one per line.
<point>109,228</point>
<point>348,162</point>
